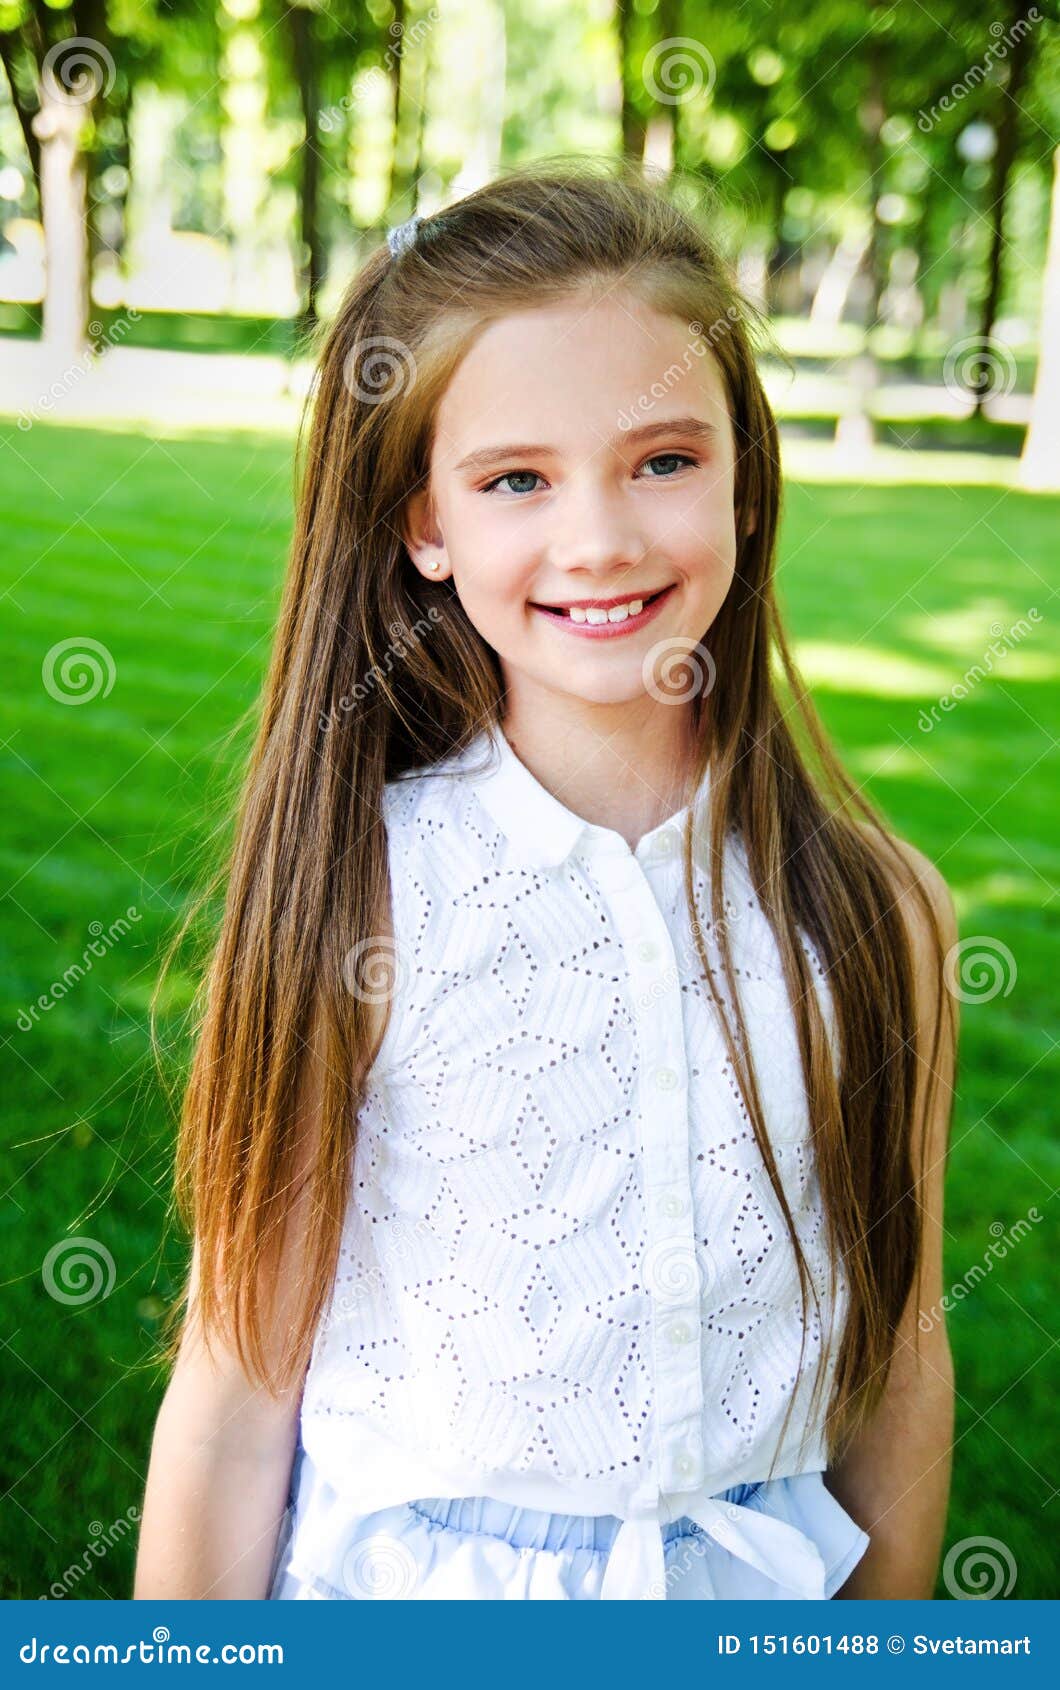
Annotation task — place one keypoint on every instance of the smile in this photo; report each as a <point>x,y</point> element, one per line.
<point>598,621</point>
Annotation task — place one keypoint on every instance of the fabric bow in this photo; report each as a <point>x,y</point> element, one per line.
<point>636,1565</point>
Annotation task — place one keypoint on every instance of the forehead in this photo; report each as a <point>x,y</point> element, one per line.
<point>581,365</point>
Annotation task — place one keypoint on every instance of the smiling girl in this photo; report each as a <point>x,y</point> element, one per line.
<point>563,1151</point>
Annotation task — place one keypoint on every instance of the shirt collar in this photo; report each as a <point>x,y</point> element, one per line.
<point>539,827</point>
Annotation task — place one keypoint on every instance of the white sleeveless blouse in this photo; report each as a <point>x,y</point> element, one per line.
<point>565,1281</point>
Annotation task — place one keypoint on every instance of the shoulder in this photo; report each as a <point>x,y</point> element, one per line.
<point>919,888</point>
<point>915,881</point>
<point>431,785</point>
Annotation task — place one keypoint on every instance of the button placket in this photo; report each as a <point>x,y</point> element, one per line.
<point>671,1272</point>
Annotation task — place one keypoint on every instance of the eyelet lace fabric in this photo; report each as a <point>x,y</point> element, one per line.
<point>565,1281</point>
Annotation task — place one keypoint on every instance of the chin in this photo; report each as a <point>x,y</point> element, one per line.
<point>614,689</point>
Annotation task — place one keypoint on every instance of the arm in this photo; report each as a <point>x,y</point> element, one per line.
<point>894,1478</point>
<point>217,1480</point>
<point>223,1446</point>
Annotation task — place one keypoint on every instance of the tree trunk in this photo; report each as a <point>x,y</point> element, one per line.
<point>1004,157</point>
<point>667,121</point>
<point>58,126</point>
<point>927,283</point>
<point>873,114</point>
<point>634,128</point>
<point>419,163</point>
<point>10,48</point>
<point>1040,463</point>
<point>311,258</point>
<point>777,183</point>
<point>396,58</point>
<point>107,227</point>
<point>855,430</point>
<point>833,289</point>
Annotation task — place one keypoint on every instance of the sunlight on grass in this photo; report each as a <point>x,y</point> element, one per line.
<point>875,764</point>
<point>868,669</point>
<point>818,460</point>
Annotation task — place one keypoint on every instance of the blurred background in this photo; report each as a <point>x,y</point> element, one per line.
<point>185,190</point>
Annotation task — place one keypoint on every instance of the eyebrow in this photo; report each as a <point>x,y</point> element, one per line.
<point>692,428</point>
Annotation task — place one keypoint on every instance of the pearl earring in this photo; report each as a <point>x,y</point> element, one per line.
<point>435,565</point>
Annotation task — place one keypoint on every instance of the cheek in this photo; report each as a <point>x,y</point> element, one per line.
<point>705,543</point>
<point>705,518</point>
<point>490,586</point>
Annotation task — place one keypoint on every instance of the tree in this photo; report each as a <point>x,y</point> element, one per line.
<point>69,65</point>
<point>313,48</point>
<point>634,127</point>
<point>1008,95</point>
<point>60,66</point>
<point>304,60</point>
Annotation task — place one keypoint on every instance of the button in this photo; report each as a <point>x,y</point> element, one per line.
<point>666,1079</point>
<point>679,1332</point>
<point>647,951</point>
<point>684,1464</point>
<point>672,1204</point>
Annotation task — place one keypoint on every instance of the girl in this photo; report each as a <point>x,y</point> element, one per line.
<point>563,1147</point>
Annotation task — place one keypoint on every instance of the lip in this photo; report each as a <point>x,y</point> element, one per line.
<point>607,630</point>
<point>598,604</point>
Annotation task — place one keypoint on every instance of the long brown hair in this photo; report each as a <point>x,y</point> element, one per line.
<point>376,671</point>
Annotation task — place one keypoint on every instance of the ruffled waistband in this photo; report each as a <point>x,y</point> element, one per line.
<point>785,1537</point>
<point>535,1528</point>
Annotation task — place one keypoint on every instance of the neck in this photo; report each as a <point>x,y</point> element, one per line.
<point>625,767</point>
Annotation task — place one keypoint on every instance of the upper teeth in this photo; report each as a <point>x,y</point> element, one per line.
<point>617,612</point>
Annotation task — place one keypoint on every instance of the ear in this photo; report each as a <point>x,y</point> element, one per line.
<point>422,537</point>
<point>751,523</point>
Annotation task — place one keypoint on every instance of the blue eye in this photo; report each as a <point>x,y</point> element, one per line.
<point>513,475</point>
<point>678,458</point>
<point>668,458</point>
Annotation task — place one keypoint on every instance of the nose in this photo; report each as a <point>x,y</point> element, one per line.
<point>595,531</point>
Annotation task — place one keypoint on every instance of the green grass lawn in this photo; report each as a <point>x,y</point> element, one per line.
<point>169,553</point>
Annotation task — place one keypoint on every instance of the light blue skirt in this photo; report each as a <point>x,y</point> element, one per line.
<point>476,1548</point>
